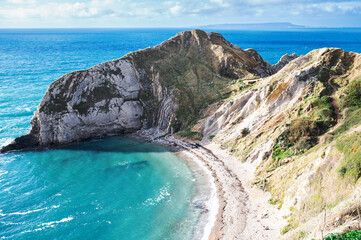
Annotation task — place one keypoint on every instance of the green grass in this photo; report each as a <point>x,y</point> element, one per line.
<point>301,235</point>
<point>280,152</point>
<point>191,135</point>
<point>350,165</point>
<point>286,229</point>
<point>353,117</point>
<point>353,94</point>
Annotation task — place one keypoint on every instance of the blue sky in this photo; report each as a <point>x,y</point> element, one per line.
<point>179,13</point>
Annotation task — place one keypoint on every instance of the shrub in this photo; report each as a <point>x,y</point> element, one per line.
<point>302,128</point>
<point>351,235</point>
<point>323,110</point>
<point>297,138</point>
<point>245,132</point>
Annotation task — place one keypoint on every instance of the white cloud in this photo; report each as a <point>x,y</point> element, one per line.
<point>170,9</point>
<point>51,9</point>
<point>21,1</point>
<point>175,10</point>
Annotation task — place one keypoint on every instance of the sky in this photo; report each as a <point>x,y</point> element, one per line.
<point>179,13</point>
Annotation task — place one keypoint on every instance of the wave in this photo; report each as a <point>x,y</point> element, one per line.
<point>5,141</point>
<point>49,224</point>
<point>163,194</point>
<point>2,172</point>
<point>9,223</point>
<point>27,212</point>
<point>30,211</point>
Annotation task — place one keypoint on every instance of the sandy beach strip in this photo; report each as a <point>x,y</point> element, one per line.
<point>243,210</point>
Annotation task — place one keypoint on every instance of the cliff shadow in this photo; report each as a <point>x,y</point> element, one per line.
<point>123,144</point>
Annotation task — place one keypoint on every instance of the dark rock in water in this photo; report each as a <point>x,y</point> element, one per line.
<point>28,141</point>
<point>162,88</point>
<point>24,142</point>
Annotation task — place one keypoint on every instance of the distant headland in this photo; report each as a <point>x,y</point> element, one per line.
<point>253,26</point>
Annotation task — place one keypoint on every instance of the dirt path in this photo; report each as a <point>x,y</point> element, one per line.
<point>335,109</point>
<point>334,104</point>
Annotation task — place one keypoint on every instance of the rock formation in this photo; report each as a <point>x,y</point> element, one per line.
<point>162,88</point>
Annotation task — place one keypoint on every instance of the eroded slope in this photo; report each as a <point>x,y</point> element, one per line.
<point>301,127</point>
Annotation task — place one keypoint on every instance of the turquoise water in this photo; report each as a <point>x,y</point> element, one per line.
<point>115,188</point>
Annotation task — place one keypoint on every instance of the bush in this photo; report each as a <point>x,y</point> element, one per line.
<point>245,132</point>
<point>297,138</point>
<point>302,128</point>
<point>323,110</point>
<point>323,102</point>
<point>351,235</point>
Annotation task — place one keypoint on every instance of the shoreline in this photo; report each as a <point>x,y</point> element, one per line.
<point>209,200</point>
<point>239,210</point>
<point>243,210</point>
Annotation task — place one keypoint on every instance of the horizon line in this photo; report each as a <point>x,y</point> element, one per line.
<point>200,27</point>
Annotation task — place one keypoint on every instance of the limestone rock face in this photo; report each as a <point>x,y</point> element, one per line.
<point>285,59</point>
<point>272,97</point>
<point>162,88</point>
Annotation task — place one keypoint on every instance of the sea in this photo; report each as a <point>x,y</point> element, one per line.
<point>114,188</point>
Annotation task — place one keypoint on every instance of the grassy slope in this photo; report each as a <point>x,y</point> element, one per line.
<point>188,65</point>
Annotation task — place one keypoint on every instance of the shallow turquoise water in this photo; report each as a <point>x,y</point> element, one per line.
<point>115,188</point>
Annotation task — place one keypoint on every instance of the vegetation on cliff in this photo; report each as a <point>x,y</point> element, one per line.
<point>304,134</point>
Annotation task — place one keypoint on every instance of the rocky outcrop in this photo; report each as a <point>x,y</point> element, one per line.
<point>285,59</point>
<point>271,96</point>
<point>162,88</point>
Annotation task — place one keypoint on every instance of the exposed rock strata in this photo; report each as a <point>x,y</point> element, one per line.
<point>285,59</point>
<point>270,98</point>
<point>253,123</point>
<point>162,88</point>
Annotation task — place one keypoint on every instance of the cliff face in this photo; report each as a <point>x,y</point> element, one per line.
<point>162,88</point>
<point>301,127</point>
